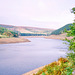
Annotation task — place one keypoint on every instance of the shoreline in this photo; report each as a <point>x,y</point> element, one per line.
<point>33,71</point>
<point>60,37</point>
<point>13,40</point>
<point>21,39</point>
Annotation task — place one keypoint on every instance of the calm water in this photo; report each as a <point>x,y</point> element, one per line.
<point>19,58</point>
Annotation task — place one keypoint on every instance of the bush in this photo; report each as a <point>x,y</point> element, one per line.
<point>62,67</point>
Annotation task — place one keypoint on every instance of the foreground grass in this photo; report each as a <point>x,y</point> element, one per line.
<point>62,67</point>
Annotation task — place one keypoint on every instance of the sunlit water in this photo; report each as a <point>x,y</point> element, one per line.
<point>19,58</point>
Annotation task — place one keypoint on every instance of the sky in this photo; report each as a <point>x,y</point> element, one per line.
<point>51,14</point>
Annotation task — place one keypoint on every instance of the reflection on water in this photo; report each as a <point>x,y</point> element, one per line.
<point>18,58</point>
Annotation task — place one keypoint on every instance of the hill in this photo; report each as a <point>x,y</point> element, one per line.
<point>7,33</point>
<point>28,30</point>
<point>61,30</point>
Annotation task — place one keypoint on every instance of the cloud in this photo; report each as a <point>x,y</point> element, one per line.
<point>36,12</point>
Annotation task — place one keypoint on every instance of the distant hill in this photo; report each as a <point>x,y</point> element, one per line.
<point>30,30</point>
<point>61,30</point>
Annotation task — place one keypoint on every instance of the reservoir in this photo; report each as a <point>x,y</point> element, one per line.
<point>19,58</point>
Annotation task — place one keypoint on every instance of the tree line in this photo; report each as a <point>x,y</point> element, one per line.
<point>30,34</point>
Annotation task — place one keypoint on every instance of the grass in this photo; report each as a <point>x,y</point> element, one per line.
<point>3,36</point>
<point>62,67</point>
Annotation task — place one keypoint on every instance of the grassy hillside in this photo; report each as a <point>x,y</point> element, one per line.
<point>36,30</point>
<point>61,30</point>
<point>7,33</point>
<point>28,30</point>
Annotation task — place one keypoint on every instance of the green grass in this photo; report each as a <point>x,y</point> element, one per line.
<point>3,36</point>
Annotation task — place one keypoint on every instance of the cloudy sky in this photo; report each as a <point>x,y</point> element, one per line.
<point>36,13</point>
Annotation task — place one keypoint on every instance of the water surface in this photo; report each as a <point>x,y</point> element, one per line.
<point>19,58</point>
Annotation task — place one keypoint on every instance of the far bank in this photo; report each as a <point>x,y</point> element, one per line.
<point>24,38</point>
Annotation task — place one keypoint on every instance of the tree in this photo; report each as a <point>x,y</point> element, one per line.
<point>8,34</point>
<point>73,11</point>
<point>71,55</point>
